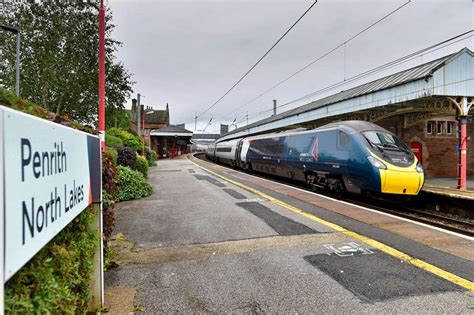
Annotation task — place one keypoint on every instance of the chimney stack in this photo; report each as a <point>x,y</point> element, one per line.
<point>274,107</point>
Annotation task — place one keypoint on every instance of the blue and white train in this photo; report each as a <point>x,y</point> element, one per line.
<point>354,156</point>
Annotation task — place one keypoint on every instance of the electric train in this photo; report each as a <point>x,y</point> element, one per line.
<point>354,156</point>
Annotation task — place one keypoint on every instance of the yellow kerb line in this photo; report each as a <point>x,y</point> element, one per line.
<point>469,285</point>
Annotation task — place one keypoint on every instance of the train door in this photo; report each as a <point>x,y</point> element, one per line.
<point>417,150</point>
<point>238,150</point>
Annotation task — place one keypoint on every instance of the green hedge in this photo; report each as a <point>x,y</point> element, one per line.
<point>129,139</point>
<point>142,166</point>
<point>132,185</point>
<point>57,279</point>
<point>151,156</point>
<point>112,141</point>
<point>112,154</point>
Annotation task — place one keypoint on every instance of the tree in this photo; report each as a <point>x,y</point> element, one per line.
<point>59,58</point>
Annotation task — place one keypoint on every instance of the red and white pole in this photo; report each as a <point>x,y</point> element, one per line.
<point>102,75</point>
<point>463,147</point>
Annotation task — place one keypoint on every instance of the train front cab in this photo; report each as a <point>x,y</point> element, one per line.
<point>406,178</point>
<point>401,180</point>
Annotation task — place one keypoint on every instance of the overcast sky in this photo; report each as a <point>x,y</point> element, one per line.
<point>189,53</point>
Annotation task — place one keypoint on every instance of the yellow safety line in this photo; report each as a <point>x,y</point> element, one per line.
<point>373,243</point>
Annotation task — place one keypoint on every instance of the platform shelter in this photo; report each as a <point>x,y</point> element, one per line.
<point>170,141</point>
<point>427,106</point>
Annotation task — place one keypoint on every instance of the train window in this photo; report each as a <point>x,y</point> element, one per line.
<point>343,140</point>
<point>224,149</point>
<point>301,143</point>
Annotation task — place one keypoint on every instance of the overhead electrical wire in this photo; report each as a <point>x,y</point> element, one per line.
<point>261,58</point>
<point>385,66</point>
<point>322,56</point>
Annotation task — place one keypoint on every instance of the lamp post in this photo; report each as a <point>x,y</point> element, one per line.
<point>101,109</point>
<point>15,30</point>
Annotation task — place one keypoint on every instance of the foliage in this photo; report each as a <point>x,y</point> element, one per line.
<point>59,58</point>
<point>151,156</point>
<point>129,139</point>
<point>112,141</point>
<point>112,154</point>
<point>110,188</point>
<point>132,185</point>
<point>142,166</point>
<point>10,100</point>
<point>116,118</point>
<point>56,280</point>
<point>127,157</point>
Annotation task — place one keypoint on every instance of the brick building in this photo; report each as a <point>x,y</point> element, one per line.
<point>435,141</point>
<point>151,119</point>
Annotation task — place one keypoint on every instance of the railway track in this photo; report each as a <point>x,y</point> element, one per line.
<point>459,225</point>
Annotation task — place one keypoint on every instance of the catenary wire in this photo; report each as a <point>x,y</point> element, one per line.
<point>322,56</point>
<point>388,65</point>
<point>261,58</point>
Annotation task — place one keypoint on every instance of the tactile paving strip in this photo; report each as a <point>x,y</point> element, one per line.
<point>282,225</point>
<point>375,276</point>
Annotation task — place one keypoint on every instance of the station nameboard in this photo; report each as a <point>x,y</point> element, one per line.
<point>51,174</point>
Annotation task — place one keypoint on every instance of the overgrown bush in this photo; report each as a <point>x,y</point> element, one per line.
<point>129,139</point>
<point>10,100</point>
<point>132,185</point>
<point>127,157</point>
<point>112,141</point>
<point>112,154</point>
<point>110,187</point>
<point>57,279</point>
<point>142,166</point>
<point>151,156</point>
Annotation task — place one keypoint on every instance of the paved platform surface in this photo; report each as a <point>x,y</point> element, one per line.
<point>200,244</point>
<point>448,182</point>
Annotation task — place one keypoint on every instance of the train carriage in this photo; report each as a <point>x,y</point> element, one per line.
<point>355,156</point>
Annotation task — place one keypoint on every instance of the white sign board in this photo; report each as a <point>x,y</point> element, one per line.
<point>51,174</point>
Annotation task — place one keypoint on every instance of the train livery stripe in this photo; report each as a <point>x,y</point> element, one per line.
<point>467,284</point>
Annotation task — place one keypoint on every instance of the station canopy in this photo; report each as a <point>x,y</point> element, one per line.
<point>422,89</point>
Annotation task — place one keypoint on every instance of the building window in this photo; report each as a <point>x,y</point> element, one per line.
<point>449,128</point>
<point>439,127</point>
<point>429,127</point>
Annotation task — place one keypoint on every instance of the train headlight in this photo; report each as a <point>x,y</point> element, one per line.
<point>376,163</point>
<point>419,167</point>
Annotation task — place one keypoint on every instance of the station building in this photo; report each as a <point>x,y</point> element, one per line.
<point>165,139</point>
<point>423,106</point>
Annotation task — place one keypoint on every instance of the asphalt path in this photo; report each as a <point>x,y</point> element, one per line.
<point>202,245</point>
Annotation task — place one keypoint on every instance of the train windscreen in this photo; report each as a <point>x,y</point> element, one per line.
<point>390,147</point>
